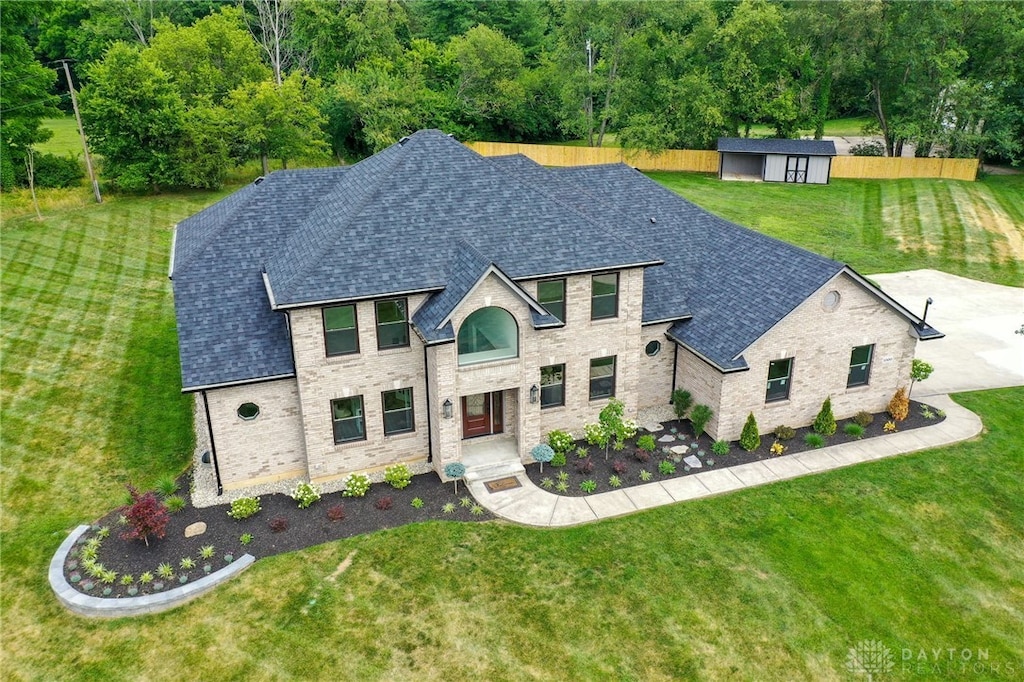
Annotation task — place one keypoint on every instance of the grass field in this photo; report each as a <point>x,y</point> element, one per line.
<point>776,583</point>
<point>65,138</point>
<point>973,229</point>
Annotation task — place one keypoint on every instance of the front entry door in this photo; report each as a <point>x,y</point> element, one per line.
<point>481,414</point>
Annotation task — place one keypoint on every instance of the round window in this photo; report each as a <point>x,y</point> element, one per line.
<point>248,410</point>
<point>831,300</point>
<point>653,348</point>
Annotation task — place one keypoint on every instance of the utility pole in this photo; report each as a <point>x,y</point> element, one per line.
<point>81,132</point>
<point>588,104</point>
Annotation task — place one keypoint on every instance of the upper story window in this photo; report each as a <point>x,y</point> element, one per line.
<point>779,372</point>
<point>551,295</point>
<point>347,416</point>
<point>552,386</point>
<point>604,296</point>
<point>860,366</point>
<point>488,334</point>
<point>392,324</point>
<point>341,332</point>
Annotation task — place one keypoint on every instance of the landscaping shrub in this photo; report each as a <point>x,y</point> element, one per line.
<point>614,481</point>
<point>384,503</point>
<point>175,503</point>
<point>825,422</point>
<point>166,486</point>
<point>642,456</point>
<point>777,448</point>
<point>588,486</point>
<point>666,468</point>
<point>356,485</point>
<point>560,441</point>
<point>278,524</point>
<point>336,512</point>
<point>700,415</point>
<point>398,476</point>
<point>57,171</point>
<point>455,471</point>
<point>146,516</point>
<point>542,453</point>
<point>853,430</point>
<point>863,418</point>
<point>783,432</point>
<point>305,494</point>
<point>681,401</point>
<point>868,148</point>
<point>244,507</point>
<point>619,467</point>
<point>585,465</point>
<point>558,460</point>
<point>750,439</point>
<point>646,442</point>
<point>890,427</point>
<point>899,406</point>
<point>814,440</point>
<point>919,371</point>
<point>720,447</point>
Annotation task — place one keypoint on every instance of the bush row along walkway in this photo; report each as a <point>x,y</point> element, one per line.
<point>532,506</point>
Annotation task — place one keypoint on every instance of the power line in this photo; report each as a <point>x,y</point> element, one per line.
<point>32,104</point>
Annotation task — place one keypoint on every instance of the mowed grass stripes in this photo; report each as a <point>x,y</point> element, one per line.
<point>972,229</point>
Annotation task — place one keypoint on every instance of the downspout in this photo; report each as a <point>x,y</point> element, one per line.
<point>675,367</point>
<point>426,376</point>
<point>213,448</point>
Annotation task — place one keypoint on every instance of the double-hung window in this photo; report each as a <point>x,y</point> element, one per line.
<point>392,324</point>
<point>604,296</point>
<point>860,366</point>
<point>551,295</point>
<point>552,386</point>
<point>398,417</point>
<point>347,416</point>
<point>602,378</point>
<point>779,372</point>
<point>341,331</point>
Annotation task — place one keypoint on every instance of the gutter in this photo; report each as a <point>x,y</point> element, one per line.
<point>213,447</point>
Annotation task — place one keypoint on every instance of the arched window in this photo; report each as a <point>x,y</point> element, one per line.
<point>488,334</point>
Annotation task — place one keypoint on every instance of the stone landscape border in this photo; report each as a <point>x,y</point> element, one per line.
<point>101,607</point>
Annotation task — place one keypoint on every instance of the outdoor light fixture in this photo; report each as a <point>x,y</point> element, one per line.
<point>446,408</point>
<point>534,393</point>
<point>926,304</point>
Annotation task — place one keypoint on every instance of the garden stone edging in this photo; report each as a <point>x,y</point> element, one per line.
<point>102,607</point>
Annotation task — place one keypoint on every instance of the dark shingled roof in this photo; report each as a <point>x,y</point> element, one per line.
<point>431,215</point>
<point>750,145</point>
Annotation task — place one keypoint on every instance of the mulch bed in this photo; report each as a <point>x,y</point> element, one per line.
<point>305,528</point>
<point>602,468</point>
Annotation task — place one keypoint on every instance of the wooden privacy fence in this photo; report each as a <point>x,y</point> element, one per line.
<point>700,161</point>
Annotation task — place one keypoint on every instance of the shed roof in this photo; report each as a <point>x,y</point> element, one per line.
<point>751,145</point>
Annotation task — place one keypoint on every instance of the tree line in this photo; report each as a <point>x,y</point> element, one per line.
<point>176,94</point>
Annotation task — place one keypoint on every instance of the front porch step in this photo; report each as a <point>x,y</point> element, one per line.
<point>489,472</point>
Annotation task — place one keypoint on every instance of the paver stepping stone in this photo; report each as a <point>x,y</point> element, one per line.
<point>679,450</point>
<point>654,427</point>
<point>194,529</point>
<point>667,438</point>
<point>693,461</point>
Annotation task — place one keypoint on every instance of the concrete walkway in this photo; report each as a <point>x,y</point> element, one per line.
<point>532,506</point>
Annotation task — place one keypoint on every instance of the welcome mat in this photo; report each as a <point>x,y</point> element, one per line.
<point>497,485</point>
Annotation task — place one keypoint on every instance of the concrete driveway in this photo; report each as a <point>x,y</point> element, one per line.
<point>979,319</point>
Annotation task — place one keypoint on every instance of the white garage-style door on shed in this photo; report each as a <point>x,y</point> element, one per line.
<point>774,160</point>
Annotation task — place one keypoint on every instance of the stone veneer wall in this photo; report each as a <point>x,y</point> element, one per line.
<point>820,342</point>
<point>261,450</point>
<point>367,373</point>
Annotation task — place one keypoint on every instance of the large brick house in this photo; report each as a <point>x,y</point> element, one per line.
<point>343,319</point>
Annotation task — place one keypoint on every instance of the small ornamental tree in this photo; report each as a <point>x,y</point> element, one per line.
<point>613,425</point>
<point>700,415</point>
<point>825,422</point>
<point>750,439</point>
<point>919,371</point>
<point>681,401</point>
<point>899,406</point>
<point>455,471</point>
<point>542,453</point>
<point>146,515</point>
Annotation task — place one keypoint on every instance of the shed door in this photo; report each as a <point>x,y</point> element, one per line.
<point>796,168</point>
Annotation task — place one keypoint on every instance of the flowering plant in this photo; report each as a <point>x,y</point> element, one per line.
<point>356,485</point>
<point>305,494</point>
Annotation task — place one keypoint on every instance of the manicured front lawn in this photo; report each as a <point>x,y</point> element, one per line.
<point>972,229</point>
<point>774,583</point>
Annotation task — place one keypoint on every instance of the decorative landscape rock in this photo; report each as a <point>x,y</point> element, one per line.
<point>679,450</point>
<point>667,438</point>
<point>693,462</point>
<point>654,427</point>
<point>194,529</point>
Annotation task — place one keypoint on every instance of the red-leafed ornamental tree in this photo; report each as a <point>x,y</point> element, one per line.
<point>146,516</point>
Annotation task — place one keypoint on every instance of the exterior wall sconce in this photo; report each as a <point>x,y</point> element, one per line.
<point>446,408</point>
<point>534,393</point>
